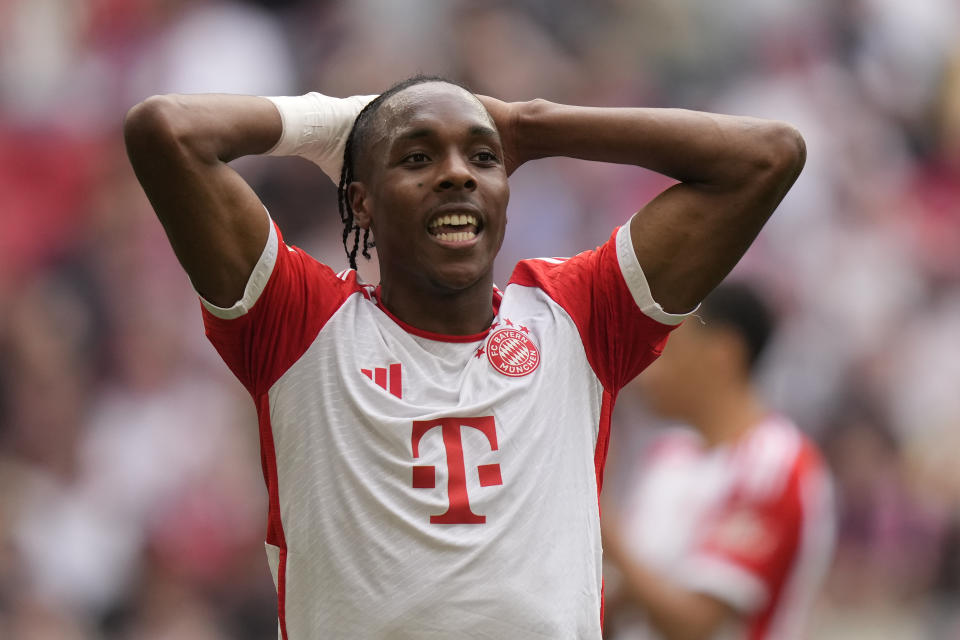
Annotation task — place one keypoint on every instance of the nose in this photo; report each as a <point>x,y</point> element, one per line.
<point>455,173</point>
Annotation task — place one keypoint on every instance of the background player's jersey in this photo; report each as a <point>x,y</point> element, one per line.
<point>429,486</point>
<point>751,524</point>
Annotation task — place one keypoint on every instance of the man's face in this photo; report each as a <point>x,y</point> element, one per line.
<point>433,189</point>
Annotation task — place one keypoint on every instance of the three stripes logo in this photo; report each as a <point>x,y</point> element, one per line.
<point>388,378</point>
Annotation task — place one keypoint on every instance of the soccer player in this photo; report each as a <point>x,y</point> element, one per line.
<point>728,530</point>
<point>433,446</point>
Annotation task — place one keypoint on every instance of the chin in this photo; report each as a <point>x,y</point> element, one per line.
<point>458,273</point>
<point>458,279</point>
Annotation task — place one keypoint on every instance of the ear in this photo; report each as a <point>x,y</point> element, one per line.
<point>357,197</point>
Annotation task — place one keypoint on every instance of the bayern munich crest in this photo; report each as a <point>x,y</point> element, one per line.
<point>512,353</point>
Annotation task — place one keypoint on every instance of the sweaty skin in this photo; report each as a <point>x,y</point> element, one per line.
<point>436,153</point>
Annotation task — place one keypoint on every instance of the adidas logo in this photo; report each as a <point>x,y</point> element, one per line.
<point>388,378</point>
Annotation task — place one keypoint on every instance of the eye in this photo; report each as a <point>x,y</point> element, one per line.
<point>485,157</point>
<point>416,157</point>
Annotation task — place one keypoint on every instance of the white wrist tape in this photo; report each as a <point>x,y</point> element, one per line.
<point>316,127</point>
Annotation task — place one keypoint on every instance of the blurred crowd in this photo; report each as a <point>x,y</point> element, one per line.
<point>131,498</point>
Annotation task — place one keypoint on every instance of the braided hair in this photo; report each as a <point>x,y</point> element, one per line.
<point>356,141</point>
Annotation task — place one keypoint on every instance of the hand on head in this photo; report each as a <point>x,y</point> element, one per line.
<point>505,116</point>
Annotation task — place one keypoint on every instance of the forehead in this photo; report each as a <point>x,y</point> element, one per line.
<point>432,105</point>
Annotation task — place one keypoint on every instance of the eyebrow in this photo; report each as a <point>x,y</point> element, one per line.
<point>425,132</point>
<point>480,130</point>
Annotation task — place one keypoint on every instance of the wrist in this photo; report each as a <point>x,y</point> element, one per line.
<point>316,127</point>
<point>527,129</point>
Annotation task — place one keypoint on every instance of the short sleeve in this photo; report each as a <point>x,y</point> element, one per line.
<point>748,546</point>
<point>606,294</point>
<point>287,300</point>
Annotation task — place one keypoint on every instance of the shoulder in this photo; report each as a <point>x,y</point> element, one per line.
<point>544,271</point>
<point>775,457</point>
<point>610,272</point>
<point>286,275</point>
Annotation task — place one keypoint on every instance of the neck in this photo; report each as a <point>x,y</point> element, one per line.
<point>458,313</point>
<point>726,414</point>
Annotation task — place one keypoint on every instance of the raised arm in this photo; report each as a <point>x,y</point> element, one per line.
<point>179,146</point>
<point>733,172</point>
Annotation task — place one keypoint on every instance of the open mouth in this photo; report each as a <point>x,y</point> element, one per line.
<point>455,227</point>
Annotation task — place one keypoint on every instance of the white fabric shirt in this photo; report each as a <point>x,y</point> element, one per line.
<point>430,486</point>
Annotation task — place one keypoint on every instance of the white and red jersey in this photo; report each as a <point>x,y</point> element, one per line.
<point>431,486</point>
<point>751,524</point>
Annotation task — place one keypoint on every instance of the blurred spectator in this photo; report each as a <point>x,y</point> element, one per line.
<point>727,530</point>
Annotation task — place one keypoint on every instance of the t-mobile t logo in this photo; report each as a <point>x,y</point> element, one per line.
<point>424,477</point>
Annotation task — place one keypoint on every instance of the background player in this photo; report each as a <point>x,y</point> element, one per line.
<point>355,384</point>
<point>730,526</point>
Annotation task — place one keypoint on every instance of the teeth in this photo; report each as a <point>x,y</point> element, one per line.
<point>460,236</point>
<point>454,219</point>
